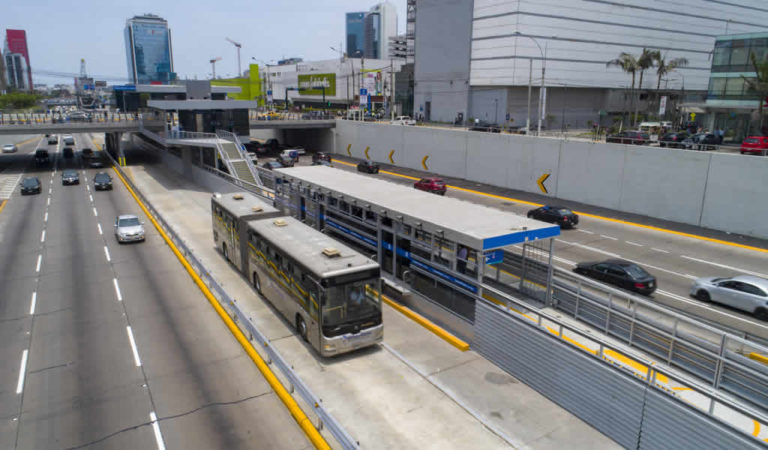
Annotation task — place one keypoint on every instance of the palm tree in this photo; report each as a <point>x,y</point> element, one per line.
<point>628,64</point>
<point>644,62</point>
<point>759,84</point>
<point>663,68</point>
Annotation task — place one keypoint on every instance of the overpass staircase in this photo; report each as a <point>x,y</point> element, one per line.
<point>235,158</point>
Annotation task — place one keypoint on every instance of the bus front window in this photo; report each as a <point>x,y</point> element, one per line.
<point>348,305</point>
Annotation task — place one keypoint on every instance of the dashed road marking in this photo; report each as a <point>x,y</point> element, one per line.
<point>704,261</point>
<point>634,243</point>
<point>95,213</point>
<point>42,237</point>
<point>106,253</point>
<point>49,202</point>
<point>585,231</point>
<point>117,290</point>
<point>90,197</point>
<point>609,237</point>
<point>133,346</point>
<point>156,429</point>
<point>659,250</point>
<point>99,225</point>
<point>32,304</point>
<point>22,372</point>
<point>39,262</point>
<point>45,219</point>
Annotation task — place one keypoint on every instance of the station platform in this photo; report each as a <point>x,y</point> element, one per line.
<point>414,390</point>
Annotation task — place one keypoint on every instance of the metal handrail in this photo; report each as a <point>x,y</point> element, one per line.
<point>223,134</point>
<point>241,319</point>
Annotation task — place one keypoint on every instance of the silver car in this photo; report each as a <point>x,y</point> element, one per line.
<point>10,148</point>
<point>745,292</point>
<point>128,228</point>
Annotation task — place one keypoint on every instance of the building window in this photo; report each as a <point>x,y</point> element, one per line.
<point>740,53</point>
<point>734,86</point>
<point>716,86</point>
<point>722,54</point>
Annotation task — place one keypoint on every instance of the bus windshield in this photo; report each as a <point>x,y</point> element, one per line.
<point>350,302</point>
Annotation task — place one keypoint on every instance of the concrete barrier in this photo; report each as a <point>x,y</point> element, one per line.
<point>713,190</point>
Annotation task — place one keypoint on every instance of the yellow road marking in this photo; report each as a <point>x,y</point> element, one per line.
<point>592,216</point>
<point>2,205</point>
<point>756,429</point>
<point>298,415</point>
<point>426,323</point>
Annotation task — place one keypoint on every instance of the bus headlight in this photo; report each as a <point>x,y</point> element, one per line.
<point>329,347</point>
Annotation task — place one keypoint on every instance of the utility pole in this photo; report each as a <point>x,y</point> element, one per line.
<point>392,89</point>
<point>530,81</point>
<point>238,46</point>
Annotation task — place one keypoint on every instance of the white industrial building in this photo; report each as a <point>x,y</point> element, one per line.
<point>476,58</point>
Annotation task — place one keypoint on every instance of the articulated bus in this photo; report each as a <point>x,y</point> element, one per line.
<point>327,290</point>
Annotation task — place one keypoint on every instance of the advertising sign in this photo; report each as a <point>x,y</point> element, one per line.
<point>372,81</point>
<point>663,105</point>
<point>363,98</point>
<point>312,84</point>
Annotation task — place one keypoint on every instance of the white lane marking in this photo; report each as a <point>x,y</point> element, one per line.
<point>90,197</point>
<point>99,225</point>
<point>32,304</point>
<point>117,290</point>
<point>50,190</point>
<point>585,231</point>
<point>39,261</point>
<point>609,237</point>
<point>95,213</point>
<point>42,237</point>
<point>45,219</point>
<point>88,187</point>
<point>49,201</point>
<point>634,243</point>
<point>614,255</point>
<point>106,252</point>
<point>133,346</point>
<point>659,250</point>
<point>22,372</point>
<point>757,274</point>
<point>156,428</point>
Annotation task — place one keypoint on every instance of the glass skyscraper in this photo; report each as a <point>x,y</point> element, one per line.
<point>356,34</point>
<point>148,51</point>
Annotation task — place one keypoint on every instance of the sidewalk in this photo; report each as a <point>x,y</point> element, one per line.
<point>413,391</point>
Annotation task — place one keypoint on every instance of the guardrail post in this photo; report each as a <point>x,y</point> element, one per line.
<point>608,314</point>
<point>719,367</point>
<point>672,342</point>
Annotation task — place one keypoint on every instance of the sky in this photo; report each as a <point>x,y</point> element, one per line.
<point>60,33</point>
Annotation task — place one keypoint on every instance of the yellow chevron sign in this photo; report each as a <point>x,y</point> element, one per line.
<point>392,152</point>
<point>348,150</point>
<point>541,181</point>
<point>366,153</point>
<point>424,162</point>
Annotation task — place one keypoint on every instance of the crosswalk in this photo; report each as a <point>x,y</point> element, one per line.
<point>8,184</point>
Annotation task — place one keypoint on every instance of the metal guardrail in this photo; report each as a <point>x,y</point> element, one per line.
<point>273,357</point>
<point>232,137</point>
<point>40,119</point>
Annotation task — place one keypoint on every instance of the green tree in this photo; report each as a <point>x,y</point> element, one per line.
<point>18,100</point>
<point>645,61</point>
<point>628,63</point>
<point>664,67</point>
<point>758,85</point>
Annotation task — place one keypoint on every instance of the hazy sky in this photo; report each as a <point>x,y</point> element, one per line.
<point>59,33</point>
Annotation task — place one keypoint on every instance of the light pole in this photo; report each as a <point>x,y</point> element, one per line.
<point>543,75</point>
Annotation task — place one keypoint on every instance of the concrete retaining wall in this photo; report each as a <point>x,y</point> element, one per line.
<point>721,191</point>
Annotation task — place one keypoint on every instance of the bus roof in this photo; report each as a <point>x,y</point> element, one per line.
<point>471,224</point>
<point>306,245</point>
<point>241,205</point>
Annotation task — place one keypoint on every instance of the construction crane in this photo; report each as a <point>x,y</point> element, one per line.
<point>238,46</point>
<point>213,65</point>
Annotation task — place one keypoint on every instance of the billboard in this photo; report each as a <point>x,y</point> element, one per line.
<point>313,84</point>
<point>17,43</point>
<point>372,81</point>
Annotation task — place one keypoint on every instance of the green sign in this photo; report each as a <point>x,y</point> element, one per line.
<point>313,84</point>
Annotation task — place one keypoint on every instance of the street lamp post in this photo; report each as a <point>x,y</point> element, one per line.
<point>543,75</point>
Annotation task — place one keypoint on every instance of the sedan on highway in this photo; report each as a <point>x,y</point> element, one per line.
<point>555,214</point>
<point>624,274</point>
<point>367,166</point>
<point>102,182</point>
<point>10,148</point>
<point>433,185</point>
<point>52,139</point>
<point>69,177</point>
<point>745,292</point>
<point>128,228</point>
<point>30,185</point>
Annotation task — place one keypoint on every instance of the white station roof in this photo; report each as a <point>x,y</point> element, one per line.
<point>477,226</point>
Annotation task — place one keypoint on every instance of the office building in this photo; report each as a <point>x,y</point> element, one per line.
<point>148,50</point>
<point>18,73</point>
<point>476,58</point>
<point>355,34</point>
<point>380,25</point>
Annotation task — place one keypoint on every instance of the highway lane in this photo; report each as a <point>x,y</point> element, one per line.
<point>674,259</point>
<point>88,379</point>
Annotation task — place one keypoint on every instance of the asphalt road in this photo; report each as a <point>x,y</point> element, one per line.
<point>674,259</point>
<point>112,346</point>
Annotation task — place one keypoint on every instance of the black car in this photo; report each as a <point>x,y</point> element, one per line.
<point>30,185</point>
<point>618,272</point>
<point>481,125</point>
<point>102,182</point>
<point>321,156</point>
<point>368,166</point>
<point>272,144</point>
<point>701,141</point>
<point>69,177</point>
<point>96,164</point>
<point>68,152</point>
<point>674,139</point>
<point>87,153</point>
<point>629,137</point>
<point>41,157</point>
<point>555,214</point>
<point>269,165</point>
<point>53,140</point>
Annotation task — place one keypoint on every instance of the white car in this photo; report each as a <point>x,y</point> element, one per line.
<point>745,292</point>
<point>10,148</point>
<point>128,228</point>
<point>403,120</point>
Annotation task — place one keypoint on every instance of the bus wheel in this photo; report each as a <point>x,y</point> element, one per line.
<point>301,327</point>
<point>224,251</point>
<point>256,282</point>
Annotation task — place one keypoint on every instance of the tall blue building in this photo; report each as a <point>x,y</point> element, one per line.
<point>356,34</point>
<point>148,50</point>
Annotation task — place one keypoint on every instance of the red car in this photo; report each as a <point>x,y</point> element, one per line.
<point>434,185</point>
<point>757,145</point>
